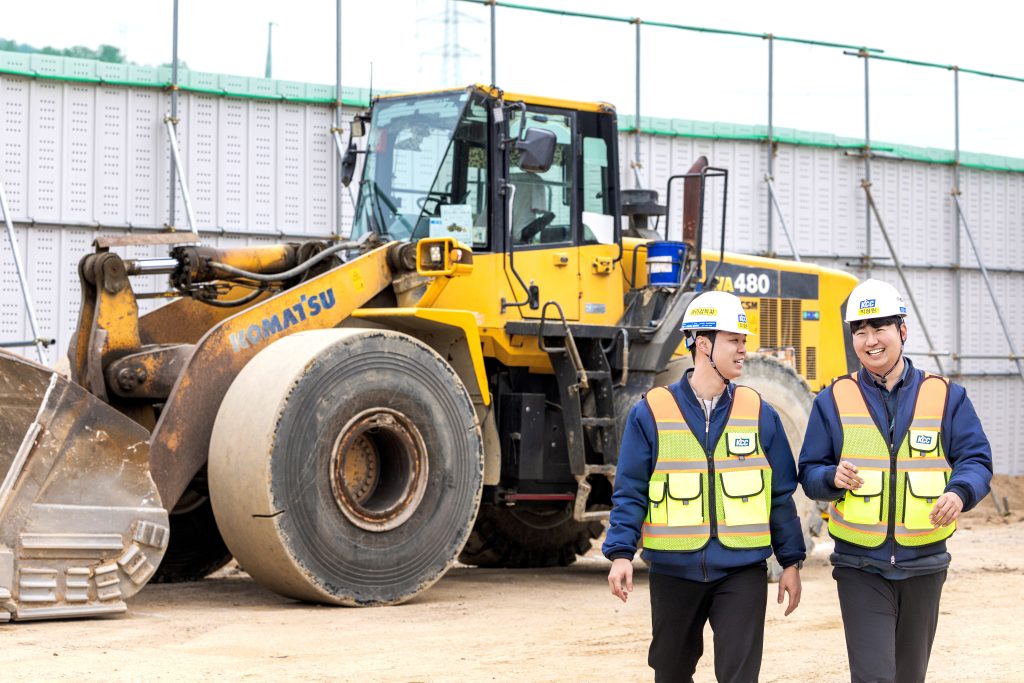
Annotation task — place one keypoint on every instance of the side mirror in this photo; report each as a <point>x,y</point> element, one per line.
<point>358,127</point>
<point>348,164</point>
<point>536,148</point>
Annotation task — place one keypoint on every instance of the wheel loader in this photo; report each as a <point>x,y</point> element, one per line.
<point>349,418</point>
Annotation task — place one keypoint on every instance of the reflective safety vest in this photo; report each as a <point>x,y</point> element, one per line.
<point>693,495</point>
<point>900,488</point>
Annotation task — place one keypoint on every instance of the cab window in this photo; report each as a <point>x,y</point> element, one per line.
<point>542,207</point>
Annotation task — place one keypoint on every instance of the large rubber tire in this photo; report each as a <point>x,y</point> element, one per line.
<point>789,394</point>
<point>346,467</point>
<point>520,538</point>
<point>196,548</point>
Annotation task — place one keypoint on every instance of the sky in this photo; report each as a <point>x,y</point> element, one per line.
<point>685,75</point>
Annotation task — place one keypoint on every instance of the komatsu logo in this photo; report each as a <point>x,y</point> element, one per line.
<point>310,306</point>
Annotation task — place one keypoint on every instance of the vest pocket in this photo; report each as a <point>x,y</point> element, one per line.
<point>685,499</point>
<point>923,441</point>
<point>923,488</point>
<point>657,510</point>
<point>864,505</point>
<point>743,500</point>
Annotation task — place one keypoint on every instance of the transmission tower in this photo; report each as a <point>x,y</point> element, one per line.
<point>451,54</point>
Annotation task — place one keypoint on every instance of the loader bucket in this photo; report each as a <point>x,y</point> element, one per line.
<point>81,523</point>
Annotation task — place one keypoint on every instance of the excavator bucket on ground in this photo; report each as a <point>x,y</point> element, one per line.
<point>82,527</point>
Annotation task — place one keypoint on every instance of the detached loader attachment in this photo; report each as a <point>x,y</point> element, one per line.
<point>81,522</point>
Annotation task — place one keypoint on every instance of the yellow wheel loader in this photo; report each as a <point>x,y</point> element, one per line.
<point>347,419</point>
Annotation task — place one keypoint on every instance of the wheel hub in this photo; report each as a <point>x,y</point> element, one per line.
<point>378,469</point>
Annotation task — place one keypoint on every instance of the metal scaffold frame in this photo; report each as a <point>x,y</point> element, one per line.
<point>773,208</point>
<point>19,267</point>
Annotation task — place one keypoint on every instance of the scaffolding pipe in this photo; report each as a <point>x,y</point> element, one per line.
<point>770,177</point>
<point>38,341</point>
<point>899,269</point>
<point>338,116</point>
<point>988,285</point>
<point>176,157</point>
<point>957,275</point>
<point>782,219</point>
<point>494,43</point>
<point>636,117</point>
<point>867,165</point>
<point>172,200</point>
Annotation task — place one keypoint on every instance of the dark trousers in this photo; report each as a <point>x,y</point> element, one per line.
<point>890,625</point>
<point>735,606</point>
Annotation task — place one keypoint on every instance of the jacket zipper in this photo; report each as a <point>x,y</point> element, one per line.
<point>712,503</point>
<point>891,522</point>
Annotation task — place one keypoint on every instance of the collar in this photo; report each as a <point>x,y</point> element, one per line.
<point>688,394</point>
<point>869,379</point>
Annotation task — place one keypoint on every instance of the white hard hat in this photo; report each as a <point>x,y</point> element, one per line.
<point>715,311</point>
<point>874,299</point>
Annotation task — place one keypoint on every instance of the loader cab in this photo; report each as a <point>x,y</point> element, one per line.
<point>454,163</point>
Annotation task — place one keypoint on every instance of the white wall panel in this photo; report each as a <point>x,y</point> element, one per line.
<point>74,156</point>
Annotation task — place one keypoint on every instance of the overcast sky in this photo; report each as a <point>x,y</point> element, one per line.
<point>685,75</point>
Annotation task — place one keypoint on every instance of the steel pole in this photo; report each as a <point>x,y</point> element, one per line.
<point>494,43</point>
<point>867,163</point>
<point>772,198</point>
<point>988,285</point>
<point>185,196</point>
<point>957,275</point>
<point>771,148</point>
<point>20,268</point>
<point>174,117</point>
<point>636,118</point>
<point>338,120</point>
<point>903,277</point>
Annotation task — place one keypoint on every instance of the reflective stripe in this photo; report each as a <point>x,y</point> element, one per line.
<point>680,465</point>
<point>903,531</point>
<point>744,529</point>
<point>858,420</point>
<point>868,461</point>
<point>743,422</point>
<point>922,464</point>
<point>662,531</point>
<point>673,426</point>
<point>926,423</point>
<point>836,517</point>
<point>753,462</point>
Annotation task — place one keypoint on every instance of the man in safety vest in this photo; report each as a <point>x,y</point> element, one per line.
<point>899,454</point>
<point>705,481</point>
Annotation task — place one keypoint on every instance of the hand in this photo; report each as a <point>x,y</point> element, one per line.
<point>846,476</point>
<point>947,508</point>
<point>790,583</point>
<point>620,578</point>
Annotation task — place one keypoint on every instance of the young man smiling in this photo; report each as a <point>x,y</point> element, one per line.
<point>900,454</point>
<point>705,480</point>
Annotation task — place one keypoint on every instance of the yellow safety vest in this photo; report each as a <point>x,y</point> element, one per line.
<point>899,491</point>
<point>693,497</point>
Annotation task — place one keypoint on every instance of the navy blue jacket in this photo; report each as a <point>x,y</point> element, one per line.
<point>636,463</point>
<point>963,442</point>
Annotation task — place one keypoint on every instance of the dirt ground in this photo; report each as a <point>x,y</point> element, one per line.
<point>503,625</point>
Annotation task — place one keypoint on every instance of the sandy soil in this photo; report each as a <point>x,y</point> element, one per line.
<point>502,625</point>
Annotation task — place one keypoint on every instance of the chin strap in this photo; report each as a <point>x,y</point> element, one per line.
<point>881,377</point>
<point>712,361</point>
